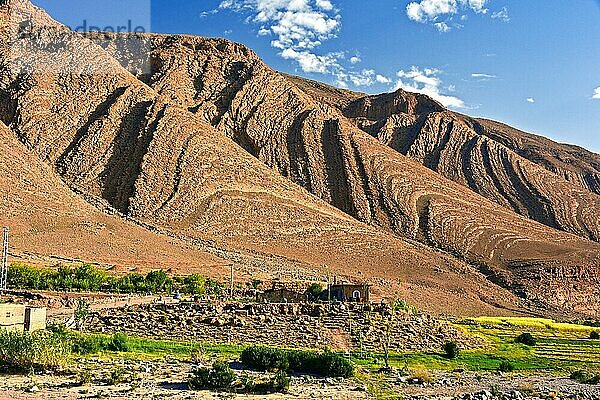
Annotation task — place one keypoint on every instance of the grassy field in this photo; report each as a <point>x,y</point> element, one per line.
<point>561,348</point>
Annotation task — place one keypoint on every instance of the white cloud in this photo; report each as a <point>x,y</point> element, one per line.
<point>442,12</point>
<point>483,77</point>
<point>426,82</point>
<point>530,100</point>
<point>501,15</point>
<point>383,79</point>
<point>298,28</point>
<point>596,94</point>
<point>442,27</point>
<point>366,77</point>
<point>430,10</point>
<point>310,62</point>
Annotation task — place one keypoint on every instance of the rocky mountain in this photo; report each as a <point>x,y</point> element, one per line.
<point>214,147</point>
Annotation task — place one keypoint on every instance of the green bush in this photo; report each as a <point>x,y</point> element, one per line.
<point>87,344</point>
<point>23,351</point>
<point>118,343</point>
<point>315,290</point>
<point>278,383</point>
<point>118,375</point>
<point>270,359</point>
<point>586,377</point>
<point>86,277</point>
<point>451,350</point>
<point>219,377</point>
<point>594,335</point>
<point>506,366</point>
<point>265,358</point>
<point>526,339</point>
<point>92,344</point>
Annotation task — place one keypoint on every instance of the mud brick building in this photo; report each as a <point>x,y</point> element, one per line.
<point>19,318</point>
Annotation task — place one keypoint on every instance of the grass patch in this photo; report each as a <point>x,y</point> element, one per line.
<point>24,351</point>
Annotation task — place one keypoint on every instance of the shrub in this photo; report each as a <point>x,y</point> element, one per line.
<point>23,351</point>
<point>451,350</point>
<point>117,376</point>
<point>594,335</point>
<point>219,377</point>
<point>278,383</point>
<point>87,344</point>
<point>84,378</point>
<point>270,359</point>
<point>506,366</point>
<point>527,339</point>
<point>421,376</point>
<point>586,377</point>
<point>118,343</point>
<point>281,382</point>
<point>315,290</point>
<point>265,358</point>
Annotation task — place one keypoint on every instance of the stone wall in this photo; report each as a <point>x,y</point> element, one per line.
<point>287,325</point>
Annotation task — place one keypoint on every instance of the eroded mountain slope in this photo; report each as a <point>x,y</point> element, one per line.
<point>317,147</point>
<point>46,218</point>
<point>454,147</point>
<point>116,140</point>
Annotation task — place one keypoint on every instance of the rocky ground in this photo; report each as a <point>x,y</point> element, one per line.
<point>166,379</point>
<point>491,386</point>
<point>156,379</point>
<point>305,325</point>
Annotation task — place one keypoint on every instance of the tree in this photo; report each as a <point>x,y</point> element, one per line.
<point>451,350</point>
<point>157,281</point>
<point>81,313</point>
<point>194,284</point>
<point>527,339</point>
<point>315,290</point>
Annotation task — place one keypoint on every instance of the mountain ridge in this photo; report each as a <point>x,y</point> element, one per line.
<point>214,145</point>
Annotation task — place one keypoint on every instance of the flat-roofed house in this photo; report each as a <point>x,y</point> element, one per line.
<point>20,318</point>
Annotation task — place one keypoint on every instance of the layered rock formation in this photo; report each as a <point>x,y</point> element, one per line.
<point>214,146</point>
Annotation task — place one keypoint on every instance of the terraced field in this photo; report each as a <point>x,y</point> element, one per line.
<point>561,348</point>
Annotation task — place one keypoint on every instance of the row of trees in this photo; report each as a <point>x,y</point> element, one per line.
<point>88,278</point>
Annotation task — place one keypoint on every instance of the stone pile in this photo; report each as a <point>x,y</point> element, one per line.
<point>287,325</point>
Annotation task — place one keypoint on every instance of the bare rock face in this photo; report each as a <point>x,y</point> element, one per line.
<point>213,145</point>
<point>119,143</point>
<point>46,218</point>
<point>288,126</point>
<point>454,147</point>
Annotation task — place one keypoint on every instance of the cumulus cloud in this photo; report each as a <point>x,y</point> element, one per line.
<point>530,100</point>
<point>596,94</point>
<point>442,26</point>
<point>443,13</point>
<point>426,82</point>
<point>310,62</point>
<point>298,28</point>
<point>366,77</point>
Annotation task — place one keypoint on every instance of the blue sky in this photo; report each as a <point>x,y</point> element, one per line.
<point>532,64</point>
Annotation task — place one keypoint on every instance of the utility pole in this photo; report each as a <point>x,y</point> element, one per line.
<point>4,267</point>
<point>231,283</point>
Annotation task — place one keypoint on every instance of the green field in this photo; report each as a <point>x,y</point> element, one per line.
<point>561,348</point>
